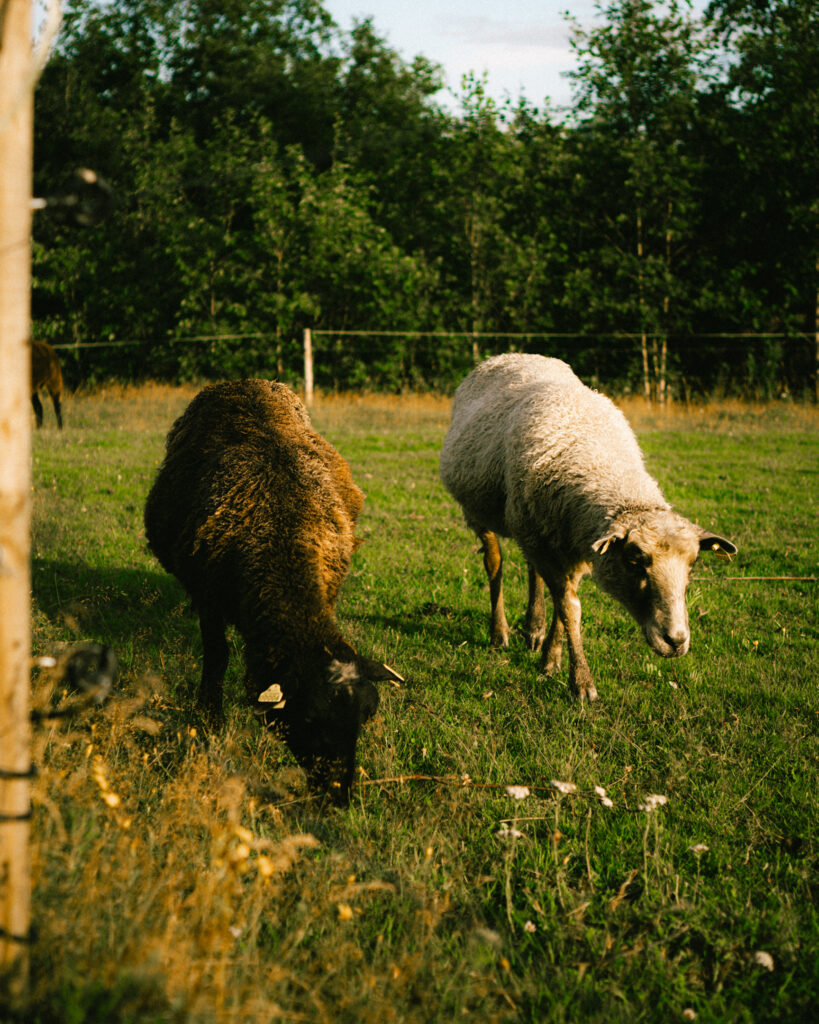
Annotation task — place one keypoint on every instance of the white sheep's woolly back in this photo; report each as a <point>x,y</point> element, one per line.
<point>530,443</point>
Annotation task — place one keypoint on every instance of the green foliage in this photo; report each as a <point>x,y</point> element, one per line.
<point>181,875</point>
<point>272,172</point>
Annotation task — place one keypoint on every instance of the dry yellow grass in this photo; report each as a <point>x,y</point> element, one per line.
<point>147,406</point>
<point>163,880</point>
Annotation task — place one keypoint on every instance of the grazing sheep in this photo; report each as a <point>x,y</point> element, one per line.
<point>46,373</point>
<point>534,454</point>
<point>254,512</point>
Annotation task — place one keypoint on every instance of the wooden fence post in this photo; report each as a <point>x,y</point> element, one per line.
<point>308,366</point>
<point>16,116</point>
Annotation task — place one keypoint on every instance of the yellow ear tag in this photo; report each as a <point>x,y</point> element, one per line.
<point>720,553</point>
<point>273,695</point>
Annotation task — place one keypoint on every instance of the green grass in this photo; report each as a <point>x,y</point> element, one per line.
<point>183,875</point>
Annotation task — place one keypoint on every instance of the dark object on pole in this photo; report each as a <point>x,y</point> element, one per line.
<point>86,201</point>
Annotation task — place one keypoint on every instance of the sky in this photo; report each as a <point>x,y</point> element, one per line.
<point>523,45</point>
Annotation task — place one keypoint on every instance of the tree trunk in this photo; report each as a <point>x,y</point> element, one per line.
<point>816,341</point>
<point>643,335</point>
<point>661,379</point>
<point>474,276</point>
<point>646,371</point>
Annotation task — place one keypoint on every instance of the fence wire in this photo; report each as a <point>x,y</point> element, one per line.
<point>747,363</point>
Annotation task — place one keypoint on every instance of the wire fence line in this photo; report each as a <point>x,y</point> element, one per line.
<point>547,335</point>
<point>529,335</point>
<point>738,362</point>
<point>72,346</point>
<point>749,362</point>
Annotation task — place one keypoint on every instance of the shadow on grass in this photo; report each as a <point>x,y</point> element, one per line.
<point>144,616</point>
<point>131,998</point>
<point>116,605</point>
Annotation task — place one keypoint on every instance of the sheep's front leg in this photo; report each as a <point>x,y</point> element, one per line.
<point>38,409</point>
<point>214,660</point>
<point>567,608</point>
<point>535,625</point>
<point>553,650</point>
<point>58,412</point>
<point>493,563</point>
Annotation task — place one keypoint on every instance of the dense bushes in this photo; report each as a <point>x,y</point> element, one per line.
<point>271,172</point>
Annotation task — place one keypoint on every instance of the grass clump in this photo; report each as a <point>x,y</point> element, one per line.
<point>182,874</point>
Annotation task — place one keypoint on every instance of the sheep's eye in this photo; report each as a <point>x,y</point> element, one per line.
<point>637,558</point>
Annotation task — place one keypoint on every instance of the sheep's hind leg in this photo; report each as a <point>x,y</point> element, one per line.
<point>535,624</point>
<point>214,661</point>
<point>58,412</point>
<point>553,649</point>
<point>567,610</point>
<point>38,409</point>
<point>493,563</point>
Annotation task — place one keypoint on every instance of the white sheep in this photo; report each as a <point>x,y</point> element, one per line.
<point>534,454</point>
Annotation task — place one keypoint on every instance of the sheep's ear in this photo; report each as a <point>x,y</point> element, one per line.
<point>375,670</point>
<point>602,544</point>
<point>721,547</point>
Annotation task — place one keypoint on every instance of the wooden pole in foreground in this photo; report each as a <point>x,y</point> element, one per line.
<point>16,116</point>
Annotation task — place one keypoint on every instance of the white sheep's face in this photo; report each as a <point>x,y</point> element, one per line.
<point>647,567</point>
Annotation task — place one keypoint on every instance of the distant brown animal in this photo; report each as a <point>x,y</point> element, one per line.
<point>46,373</point>
<point>254,512</point>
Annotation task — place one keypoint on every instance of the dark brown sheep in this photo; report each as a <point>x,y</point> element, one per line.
<point>254,512</point>
<point>46,373</point>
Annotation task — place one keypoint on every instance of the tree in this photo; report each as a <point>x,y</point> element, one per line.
<point>255,58</point>
<point>635,90</point>
<point>763,110</point>
<point>387,128</point>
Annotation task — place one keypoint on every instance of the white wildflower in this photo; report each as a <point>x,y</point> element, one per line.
<point>689,1014</point>
<point>764,959</point>
<point>506,832</point>
<point>235,930</point>
<point>699,848</point>
<point>606,801</point>
<point>530,927</point>
<point>492,938</point>
<point>652,802</point>
<point>599,791</point>
<point>563,787</point>
<point>518,792</point>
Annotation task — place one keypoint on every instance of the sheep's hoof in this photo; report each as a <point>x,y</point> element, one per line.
<point>212,712</point>
<point>499,642</point>
<point>534,640</point>
<point>550,663</point>
<point>584,690</point>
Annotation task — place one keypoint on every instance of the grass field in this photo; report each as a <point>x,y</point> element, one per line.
<point>182,875</point>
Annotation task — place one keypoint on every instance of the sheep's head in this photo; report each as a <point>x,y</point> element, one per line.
<point>645,562</point>
<point>318,707</point>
